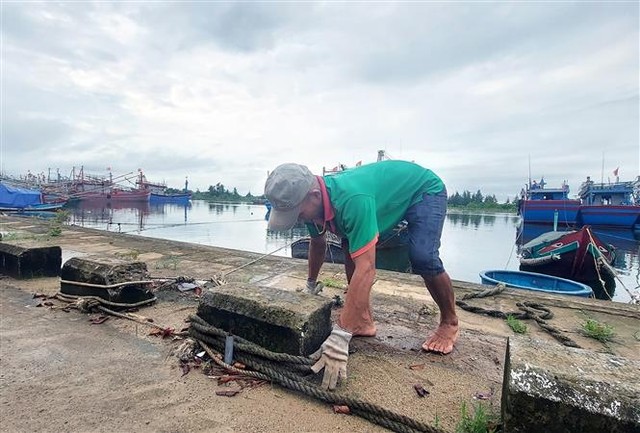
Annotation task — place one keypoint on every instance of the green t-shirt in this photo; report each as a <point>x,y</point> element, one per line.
<point>373,199</point>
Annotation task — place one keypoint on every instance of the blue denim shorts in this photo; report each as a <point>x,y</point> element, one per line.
<point>425,221</point>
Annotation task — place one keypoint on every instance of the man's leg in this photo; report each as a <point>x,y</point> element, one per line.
<point>426,220</point>
<point>446,335</point>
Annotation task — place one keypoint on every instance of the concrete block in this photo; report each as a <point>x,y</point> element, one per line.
<point>279,320</point>
<point>550,388</point>
<point>103,272</point>
<point>29,262</point>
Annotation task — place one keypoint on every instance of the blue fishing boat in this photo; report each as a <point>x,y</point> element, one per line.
<point>16,199</point>
<point>535,282</point>
<point>178,198</point>
<point>41,207</point>
<point>541,205</point>
<point>611,204</point>
<point>159,193</point>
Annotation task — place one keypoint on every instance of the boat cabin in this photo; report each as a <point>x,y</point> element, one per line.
<point>537,191</point>
<point>612,193</point>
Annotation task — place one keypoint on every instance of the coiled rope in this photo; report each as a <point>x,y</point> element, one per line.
<point>277,367</point>
<point>528,310</point>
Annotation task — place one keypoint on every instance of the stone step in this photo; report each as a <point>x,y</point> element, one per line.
<point>549,388</point>
<point>279,320</point>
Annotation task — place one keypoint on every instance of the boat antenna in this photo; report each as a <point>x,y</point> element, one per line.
<point>529,170</point>
<point>602,171</point>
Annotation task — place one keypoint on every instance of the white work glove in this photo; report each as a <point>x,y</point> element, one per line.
<point>312,287</point>
<point>332,356</point>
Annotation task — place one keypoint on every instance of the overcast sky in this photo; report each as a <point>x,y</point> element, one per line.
<point>224,92</point>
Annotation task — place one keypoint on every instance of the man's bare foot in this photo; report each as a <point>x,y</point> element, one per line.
<point>443,340</point>
<point>365,331</point>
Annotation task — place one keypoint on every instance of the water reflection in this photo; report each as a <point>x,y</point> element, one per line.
<point>121,217</point>
<point>472,220</point>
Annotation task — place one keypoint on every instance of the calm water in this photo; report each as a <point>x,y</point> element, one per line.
<point>470,243</point>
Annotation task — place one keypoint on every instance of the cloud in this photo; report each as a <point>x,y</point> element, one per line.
<point>224,92</point>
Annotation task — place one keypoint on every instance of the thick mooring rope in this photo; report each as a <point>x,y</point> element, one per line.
<point>272,366</point>
<point>528,310</point>
<point>201,326</point>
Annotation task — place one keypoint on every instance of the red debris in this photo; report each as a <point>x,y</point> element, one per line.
<point>164,333</point>
<point>342,409</point>
<point>185,368</point>
<point>483,395</point>
<point>228,392</point>
<point>98,320</point>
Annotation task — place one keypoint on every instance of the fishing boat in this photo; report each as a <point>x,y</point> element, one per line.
<point>112,195</point>
<point>16,199</point>
<point>614,204</point>
<point>396,241</point>
<point>333,253</point>
<point>100,189</point>
<point>577,255</point>
<point>535,282</point>
<point>541,205</point>
<point>178,198</point>
<point>610,205</point>
<point>42,207</point>
<point>160,193</point>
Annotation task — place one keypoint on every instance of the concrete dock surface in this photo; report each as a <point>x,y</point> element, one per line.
<point>60,372</point>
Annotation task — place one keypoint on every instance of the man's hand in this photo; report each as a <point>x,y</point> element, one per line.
<point>332,356</point>
<point>312,287</point>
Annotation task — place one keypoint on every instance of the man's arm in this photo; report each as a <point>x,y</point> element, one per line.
<point>355,319</point>
<point>356,314</point>
<point>317,248</point>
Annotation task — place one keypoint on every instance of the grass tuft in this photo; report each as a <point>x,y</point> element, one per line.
<point>332,282</point>
<point>480,421</point>
<point>598,331</point>
<point>516,325</point>
<point>128,255</point>
<point>56,223</point>
<point>169,262</point>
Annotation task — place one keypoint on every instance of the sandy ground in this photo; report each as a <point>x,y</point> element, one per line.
<point>59,372</point>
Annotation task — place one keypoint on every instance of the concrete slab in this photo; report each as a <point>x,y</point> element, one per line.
<point>107,278</point>
<point>553,389</point>
<point>279,320</point>
<point>21,261</point>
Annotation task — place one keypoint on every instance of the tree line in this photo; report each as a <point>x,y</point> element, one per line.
<point>219,192</point>
<point>468,200</point>
<point>478,201</point>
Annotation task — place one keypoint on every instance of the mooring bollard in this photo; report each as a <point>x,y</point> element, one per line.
<point>228,349</point>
